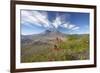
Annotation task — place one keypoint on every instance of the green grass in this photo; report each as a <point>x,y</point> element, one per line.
<point>74,47</point>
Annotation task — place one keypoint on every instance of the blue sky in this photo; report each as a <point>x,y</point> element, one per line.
<point>36,21</point>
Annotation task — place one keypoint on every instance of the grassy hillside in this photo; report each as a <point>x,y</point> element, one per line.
<point>70,47</point>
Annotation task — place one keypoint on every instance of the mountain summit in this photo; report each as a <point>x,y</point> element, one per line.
<point>51,33</point>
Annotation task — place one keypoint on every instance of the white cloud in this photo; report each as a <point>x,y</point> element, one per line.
<point>60,20</point>
<point>40,18</point>
<point>35,17</point>
<point>67,25</point>
<point>76,28</point>
<point>71,26</point>
<point>57,22</point>
<point>27,17</point>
